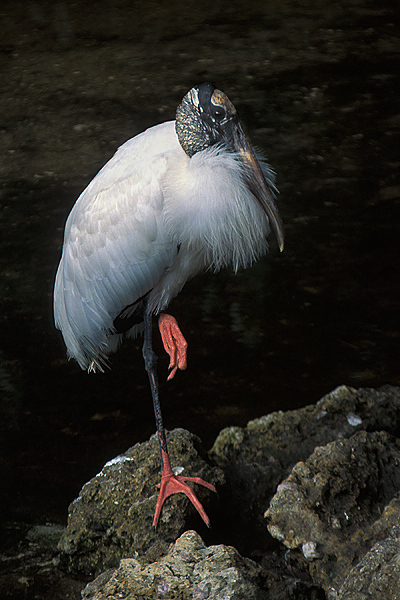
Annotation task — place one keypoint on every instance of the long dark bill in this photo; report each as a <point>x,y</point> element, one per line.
<point>258,184</point>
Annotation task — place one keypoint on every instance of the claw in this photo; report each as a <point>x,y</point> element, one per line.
<point>175,484</point>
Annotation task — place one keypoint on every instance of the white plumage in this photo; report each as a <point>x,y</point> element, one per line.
<point>181,197</point>
<point>123,234</point>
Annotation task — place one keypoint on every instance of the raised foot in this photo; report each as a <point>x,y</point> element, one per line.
<point>175,484</point>
<point>174,343</point>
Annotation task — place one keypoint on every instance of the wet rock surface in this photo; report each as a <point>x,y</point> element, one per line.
<point>342,498</point>
<point>337,503</point>
<point>189,570</point>
<point>257,457</point>
<point>377,575</point>
<point>112,517</point>
<point>333,517</point>
<point>192,570</point>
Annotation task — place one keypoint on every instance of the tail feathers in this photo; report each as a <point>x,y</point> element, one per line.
<point>88,334</point>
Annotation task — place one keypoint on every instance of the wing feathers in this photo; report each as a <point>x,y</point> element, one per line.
<point>115,249</point>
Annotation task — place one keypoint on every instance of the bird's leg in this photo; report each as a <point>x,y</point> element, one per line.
<point>174,343</point>
<point>170,483</point>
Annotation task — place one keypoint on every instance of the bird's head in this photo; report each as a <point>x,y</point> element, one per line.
<point>202,118</point>
<point>206,117</point>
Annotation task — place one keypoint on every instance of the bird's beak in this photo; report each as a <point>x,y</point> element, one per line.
<point>257,183</point>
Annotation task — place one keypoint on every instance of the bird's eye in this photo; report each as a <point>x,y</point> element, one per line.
<point>218,113</point>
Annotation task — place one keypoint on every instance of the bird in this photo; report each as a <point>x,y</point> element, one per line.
<point>184,196</point>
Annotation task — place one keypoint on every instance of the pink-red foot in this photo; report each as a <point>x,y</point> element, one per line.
<point>175,484</point>
<point>174,343</point>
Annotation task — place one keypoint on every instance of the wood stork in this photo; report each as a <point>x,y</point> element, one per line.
<point>181,197</point>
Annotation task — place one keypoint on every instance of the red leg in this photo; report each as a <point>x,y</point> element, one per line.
<point>174,343</point>
<point>175,484</point>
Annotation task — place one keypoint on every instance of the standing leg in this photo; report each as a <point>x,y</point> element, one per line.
<point>170,483</point>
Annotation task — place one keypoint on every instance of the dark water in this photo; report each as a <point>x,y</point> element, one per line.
<point>316,89</point>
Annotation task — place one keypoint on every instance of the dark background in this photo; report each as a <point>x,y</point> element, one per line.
<point>316,86</point>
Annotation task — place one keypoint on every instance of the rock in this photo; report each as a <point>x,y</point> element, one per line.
<point>257,457</point>
<point>334,506</point>
<point>189,570</point>
<point>193,571</point>
<point>377,575</point>
<point>112,517</point>
<point>339,500</point>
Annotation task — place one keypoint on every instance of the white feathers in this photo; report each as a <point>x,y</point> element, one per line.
<point>123,234</point>
<point>210,206</point>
